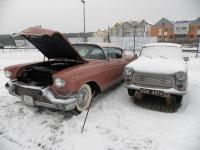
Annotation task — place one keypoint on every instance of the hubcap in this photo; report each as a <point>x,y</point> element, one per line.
<point>83,97</point>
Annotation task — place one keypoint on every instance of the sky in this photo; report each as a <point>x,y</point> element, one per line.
<point>67,15</point>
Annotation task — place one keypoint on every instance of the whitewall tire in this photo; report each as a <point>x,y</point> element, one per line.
<point>84,98</point>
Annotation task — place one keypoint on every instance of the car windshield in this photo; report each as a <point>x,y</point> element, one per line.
<point>164,52</point>
<point>89,51</point>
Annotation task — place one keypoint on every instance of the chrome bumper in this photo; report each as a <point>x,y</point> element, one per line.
<point>167,92</point>
<point>55,103</point>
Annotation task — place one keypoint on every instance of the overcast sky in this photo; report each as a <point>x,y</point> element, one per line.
<point>66,15</point>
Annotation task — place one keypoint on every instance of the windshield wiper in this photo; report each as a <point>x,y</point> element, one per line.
<point>162,57</point>
<point>147,56</point>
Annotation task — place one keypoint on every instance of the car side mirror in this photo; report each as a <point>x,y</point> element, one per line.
<point>186,58</point>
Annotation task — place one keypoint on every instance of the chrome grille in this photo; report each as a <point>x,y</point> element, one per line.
<point>36,94</point>
<point>153,80</point>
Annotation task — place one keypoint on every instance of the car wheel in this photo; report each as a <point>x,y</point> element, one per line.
<point>175,103</point>
<point>178,101</point>
<point>131,92</point>
<point>84,97</point>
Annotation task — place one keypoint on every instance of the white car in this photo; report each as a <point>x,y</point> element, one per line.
<point>160,70</point>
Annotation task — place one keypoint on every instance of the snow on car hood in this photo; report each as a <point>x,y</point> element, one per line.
<point>158,65</point>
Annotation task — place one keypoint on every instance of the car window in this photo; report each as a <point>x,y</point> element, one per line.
<point>83,52</point>
<point>90,51</point>
<point>113,53</point>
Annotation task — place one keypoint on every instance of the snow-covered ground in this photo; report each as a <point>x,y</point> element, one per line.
<point>114,122</point>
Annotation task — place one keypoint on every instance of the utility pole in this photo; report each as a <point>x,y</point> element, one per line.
<point>198,36</point>
<point>84,36</point>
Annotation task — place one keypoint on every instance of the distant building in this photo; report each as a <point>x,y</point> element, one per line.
<point>164,30</point>
<point>6,40</point>
<point>130,29</point>
<point>194,28</point>
<point>181,31</point>
<point>101,33</point>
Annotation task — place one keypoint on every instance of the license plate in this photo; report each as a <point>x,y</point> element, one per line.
<point>28,100</point>
<point>152,92</point>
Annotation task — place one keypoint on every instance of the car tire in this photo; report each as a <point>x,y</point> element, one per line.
<point>131,92</point>
<point>84,98</point>
<point>176,103</point>
<point>178,99</point>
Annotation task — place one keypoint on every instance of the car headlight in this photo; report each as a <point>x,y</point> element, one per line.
<point>59,82</point>
<point>180,76</point>
<point>128,71</point>
<point>8,74</point>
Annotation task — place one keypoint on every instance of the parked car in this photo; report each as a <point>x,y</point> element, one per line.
<point>72,74</point>
<point>160,70</point>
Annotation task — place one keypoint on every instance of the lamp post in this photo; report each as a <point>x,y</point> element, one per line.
<point>135,27</point>
<point>84,37</point>
<point>198,46</point>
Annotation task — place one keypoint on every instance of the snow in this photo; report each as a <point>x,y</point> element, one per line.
<point>114,121</point>
<point>160,58</point>
<point>162,50</point>
<point>163,44</point>
<point>158,65</point>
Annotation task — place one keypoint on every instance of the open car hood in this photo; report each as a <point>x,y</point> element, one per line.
<point>51,43</point>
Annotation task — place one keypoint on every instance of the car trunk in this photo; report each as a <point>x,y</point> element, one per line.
<point>40,74</point>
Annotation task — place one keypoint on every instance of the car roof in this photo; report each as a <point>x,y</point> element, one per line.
<point>100,44</point>
<point>163,44</point>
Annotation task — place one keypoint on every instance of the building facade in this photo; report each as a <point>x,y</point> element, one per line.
<point>130,29</point>
<point>181,31</point>
<point>194,29</point>
<point>164,30</point>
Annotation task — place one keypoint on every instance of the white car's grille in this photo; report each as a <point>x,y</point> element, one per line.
<point>154,80</point>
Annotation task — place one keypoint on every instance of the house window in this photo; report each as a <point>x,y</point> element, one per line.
<point>184,28</point>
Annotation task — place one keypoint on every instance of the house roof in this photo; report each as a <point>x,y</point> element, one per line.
<point>196,21</point>
<point>164,21</point>
<point>184,21</point>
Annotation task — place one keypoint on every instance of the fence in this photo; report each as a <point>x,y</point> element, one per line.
<point>128,42</point>
<point>89,39</point>
<point>124,42</point>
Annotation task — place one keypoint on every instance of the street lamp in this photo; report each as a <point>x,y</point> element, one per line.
<point>198,46</point>
<point>84,37</point>
<point>135,27</point>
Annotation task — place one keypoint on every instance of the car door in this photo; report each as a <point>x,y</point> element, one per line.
<point>116,62</point>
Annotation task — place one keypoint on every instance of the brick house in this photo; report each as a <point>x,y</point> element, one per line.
<point>164,30</point>
<point>193,29</point>
<point>181,31</point>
